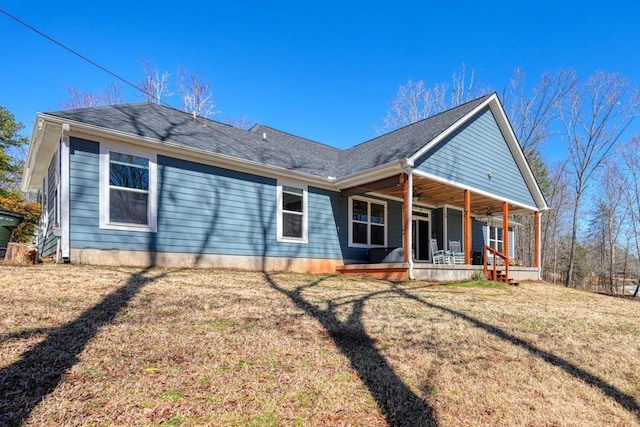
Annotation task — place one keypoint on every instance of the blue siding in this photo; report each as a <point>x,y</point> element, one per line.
<point>49,243</point>
<point>202,210</point>
<point>471,152</point>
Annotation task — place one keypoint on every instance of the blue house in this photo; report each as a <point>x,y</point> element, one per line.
<point>142,184</point>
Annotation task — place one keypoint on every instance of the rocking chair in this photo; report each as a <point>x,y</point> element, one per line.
<point>439,256</point>
<point>456,252</point>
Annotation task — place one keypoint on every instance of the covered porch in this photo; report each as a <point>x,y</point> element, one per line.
<point>445,212</point>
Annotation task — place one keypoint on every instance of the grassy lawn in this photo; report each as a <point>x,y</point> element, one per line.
<point>86,345</point>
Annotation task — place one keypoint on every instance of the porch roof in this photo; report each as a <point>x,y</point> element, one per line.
<point>431,193</point>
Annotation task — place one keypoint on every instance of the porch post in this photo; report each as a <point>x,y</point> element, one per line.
<point>406,216</point>
<point>466,227</point>
<point>407,207</point>
<point>505,228</point>
<point>63,193</point>
<point>536,239</point>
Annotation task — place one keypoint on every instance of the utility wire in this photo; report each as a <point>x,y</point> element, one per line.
<point>251,147</point>
<point>76,53</point>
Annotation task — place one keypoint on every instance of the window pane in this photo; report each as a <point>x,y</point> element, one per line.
<point>377,235</point>
<point>128,207</point>
<point>360,211</point>
<point>377,213</point>
<point>291,201</point>
<point>128,159</point>
<point>360,233</point>
<point>128,176</point>
<point>291,225</point>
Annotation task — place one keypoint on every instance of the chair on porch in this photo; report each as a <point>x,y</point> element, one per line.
<point>456,252</point>
<point>439,256</point>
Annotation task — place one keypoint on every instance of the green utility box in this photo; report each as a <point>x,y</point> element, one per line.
<point>8,222</point>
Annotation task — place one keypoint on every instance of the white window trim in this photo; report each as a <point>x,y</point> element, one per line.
<point>490,237</point>
<point>386,222</point>
<point>511,232</point>
<point>152,219</point>
<point>305,213</point>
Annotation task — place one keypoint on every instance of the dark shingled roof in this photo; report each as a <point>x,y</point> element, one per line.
<point>279,149</point>
<point>169,125</point>
<point>401,143</point>
<point>314,155</point>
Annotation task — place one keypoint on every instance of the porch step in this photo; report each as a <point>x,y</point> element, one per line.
<point>501,277</point>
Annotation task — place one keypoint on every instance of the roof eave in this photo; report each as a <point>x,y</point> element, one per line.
<point>44,141</point>
<point>374,174</point>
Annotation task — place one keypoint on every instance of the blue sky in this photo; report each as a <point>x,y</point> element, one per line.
<point>325,71</point>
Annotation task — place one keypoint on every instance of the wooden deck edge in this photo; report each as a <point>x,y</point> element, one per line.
<point>392,272</point>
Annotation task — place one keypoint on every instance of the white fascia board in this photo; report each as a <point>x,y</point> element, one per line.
<point>45,137</point>
<point>370,175</point>
<point>80,129</point>
<point>473,190</point>
<point>521,160</point>
<point>512,141</point>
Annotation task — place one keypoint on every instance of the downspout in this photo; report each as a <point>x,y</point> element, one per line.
<point>65,150</point>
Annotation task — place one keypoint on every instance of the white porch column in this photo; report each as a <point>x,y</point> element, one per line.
<point>408,209</point>
<point>65,172</point>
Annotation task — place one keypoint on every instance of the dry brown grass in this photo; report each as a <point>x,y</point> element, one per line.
<point>113,346</point>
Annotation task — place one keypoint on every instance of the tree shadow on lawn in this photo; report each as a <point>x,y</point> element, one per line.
<point>626,401</point>
<point>399,405</point>
<point>26,382</point>
<point>25,334</point>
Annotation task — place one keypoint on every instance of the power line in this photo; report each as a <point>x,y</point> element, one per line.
<point>76,53</point>
<point>251,147</point>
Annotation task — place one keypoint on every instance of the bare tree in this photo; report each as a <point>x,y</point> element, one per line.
<point>594,117</point>
<point>463,89</point>
<point>531,115</point>
<point>155,85</point>
<point>555,224</point>
<point>113,94</point>
<point>241,123</point>
<point>612,190</point>
<point>196,96</point>
<point>608,216</point>
<point>631,156</point>
<point>82,99</point>
<point>414,101</point>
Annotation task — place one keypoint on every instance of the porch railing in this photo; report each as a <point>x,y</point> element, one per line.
<point>499,268</point>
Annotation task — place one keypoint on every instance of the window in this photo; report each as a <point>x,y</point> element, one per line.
<point>127,189</point>
<point>292,213</point>
<point>367,225</point>
<point>495,239</point>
